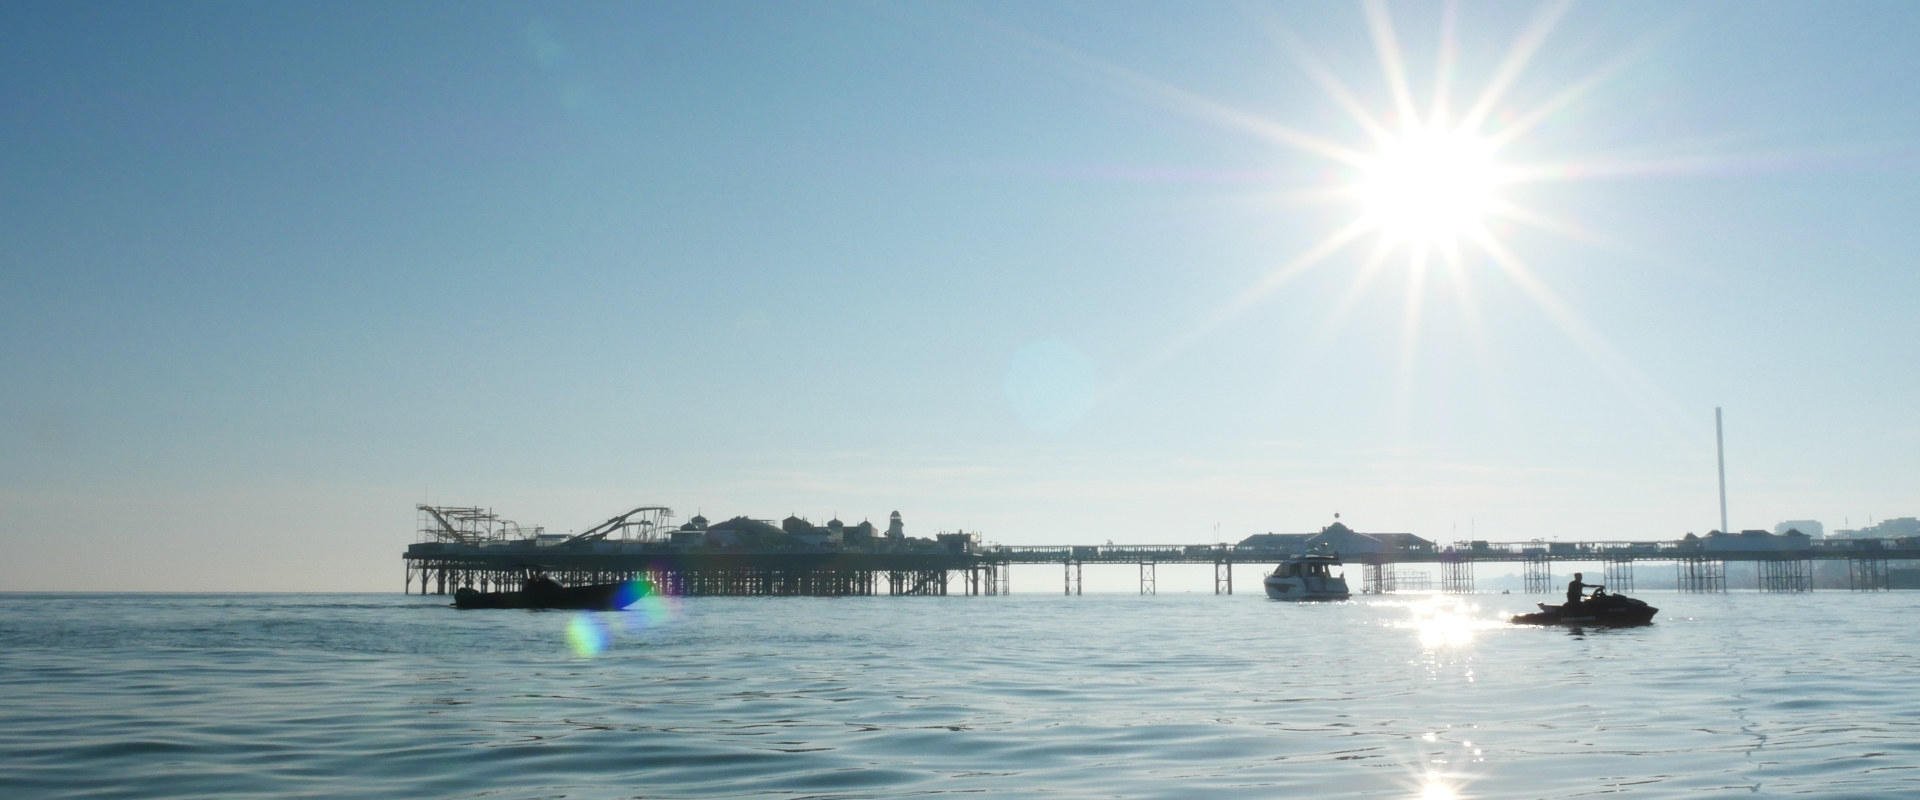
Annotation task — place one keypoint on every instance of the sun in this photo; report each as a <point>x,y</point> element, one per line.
<point>1429,187</point>
<point>1439,182</point>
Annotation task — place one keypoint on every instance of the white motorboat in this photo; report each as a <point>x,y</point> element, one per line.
<point>1307,576</point>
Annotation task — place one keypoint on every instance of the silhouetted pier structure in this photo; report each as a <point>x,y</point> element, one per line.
<point>440,568</point>
<point>711,574</point>
<point>473,547</point>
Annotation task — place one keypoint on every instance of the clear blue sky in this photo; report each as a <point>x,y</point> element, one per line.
<point>271,274</point>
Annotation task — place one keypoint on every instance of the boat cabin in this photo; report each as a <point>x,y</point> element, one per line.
<point>1302,569</point>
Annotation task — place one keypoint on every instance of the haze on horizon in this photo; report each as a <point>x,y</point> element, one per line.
<point>272,274</point>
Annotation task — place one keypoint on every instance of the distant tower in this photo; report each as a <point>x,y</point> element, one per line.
<point>1720,447</point>
<point>895,530</point>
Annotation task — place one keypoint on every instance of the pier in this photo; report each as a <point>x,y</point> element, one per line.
<point>473,547</point>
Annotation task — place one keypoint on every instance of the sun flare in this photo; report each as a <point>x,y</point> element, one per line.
<point>1431,186</point>
<point>1439,183</point>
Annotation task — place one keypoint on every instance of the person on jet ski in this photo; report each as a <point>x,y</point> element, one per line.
<point>1576,591</point>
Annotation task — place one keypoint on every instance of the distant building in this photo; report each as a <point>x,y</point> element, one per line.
<point>1755,541</point>
<point>742,532</point>
<point>1896,528</point>
<point>1286,542</point>
<point>1809,527</point>
<point>794,532</point>
<point>1342,540</point>
<point>810,535</point>
<point>1404,543</point>
<point>958,544</point>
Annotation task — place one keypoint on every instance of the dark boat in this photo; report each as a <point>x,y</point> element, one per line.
<point>1601,609</point>
<point>540,591</point>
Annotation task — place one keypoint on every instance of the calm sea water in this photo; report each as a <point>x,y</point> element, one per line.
<point>190,696</point>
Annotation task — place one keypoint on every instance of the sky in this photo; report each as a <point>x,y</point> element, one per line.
<point>272,274</point>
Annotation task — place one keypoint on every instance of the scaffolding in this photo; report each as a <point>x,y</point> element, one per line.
<point>1410,581</point>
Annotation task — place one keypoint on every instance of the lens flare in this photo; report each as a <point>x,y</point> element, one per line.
<point>653,611</point>
<point>651,606</point>
<point>647,607</point>
<point>586,636</point>
<point>632,591</point>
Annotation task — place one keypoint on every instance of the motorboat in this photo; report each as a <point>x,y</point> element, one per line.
<point>1601,609</point>
<point>540,591</point>
<point>1307,576</point>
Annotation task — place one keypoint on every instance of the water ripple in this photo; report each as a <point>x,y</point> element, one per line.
<point>181,696</point>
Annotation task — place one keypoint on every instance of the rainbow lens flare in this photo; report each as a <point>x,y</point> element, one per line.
<point>586,636</point>
<point>646,608</point>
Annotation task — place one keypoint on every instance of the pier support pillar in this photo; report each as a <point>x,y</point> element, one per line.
<point>1073,578</point>
<point>990,578</point>
<point>1456,577</point>
<point>1223,577</point>
<point>1786,575</point>
<point>1867,575</point>
<point>1376,577</point>
<point>1700,575</point>
<point>1148,584</point>
<point>1537,575</point>
<point>919,581</point>
<point>1618,575</point>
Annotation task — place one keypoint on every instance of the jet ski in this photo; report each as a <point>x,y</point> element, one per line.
<point>1601,609</point>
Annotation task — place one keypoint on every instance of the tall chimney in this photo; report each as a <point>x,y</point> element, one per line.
<point>1720,445</point>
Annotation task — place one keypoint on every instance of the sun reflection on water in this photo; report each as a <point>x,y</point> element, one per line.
<point>1436,787</point>
<point>1444,621</point>
<point>1436,777</point>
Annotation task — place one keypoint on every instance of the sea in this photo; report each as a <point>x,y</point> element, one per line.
<point>1417,696</point>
